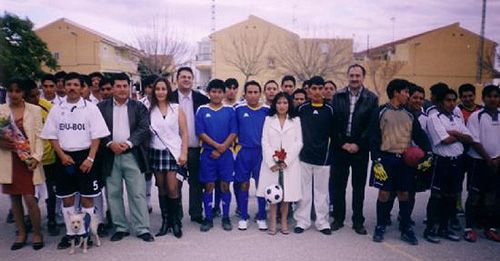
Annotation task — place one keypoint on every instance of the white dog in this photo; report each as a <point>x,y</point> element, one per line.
<point>83,225</point>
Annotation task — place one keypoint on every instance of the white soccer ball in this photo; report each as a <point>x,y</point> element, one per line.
<point>274,194</point>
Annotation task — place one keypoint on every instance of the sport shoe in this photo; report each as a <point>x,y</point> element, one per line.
<point>206,225</point>
<point>408,236</point>
<point>470,235</point>
<point>448,234</point>
<point>243,224</point>
<point>378,235</point>
<point>491,234</point>
<point>226,224</point>
<point>262,224</point>
<point>431,236</point>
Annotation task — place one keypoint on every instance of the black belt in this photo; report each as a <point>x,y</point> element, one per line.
<point>453,158</point>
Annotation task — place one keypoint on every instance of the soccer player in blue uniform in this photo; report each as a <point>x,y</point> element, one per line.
<point>217,128</point>
<point>250,117</point>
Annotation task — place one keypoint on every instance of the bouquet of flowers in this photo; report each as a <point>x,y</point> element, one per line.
<point>8,129</point>
<point>279,158</point>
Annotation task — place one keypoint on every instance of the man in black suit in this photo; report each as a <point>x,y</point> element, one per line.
<point>189,100</point>
<point>125,159</point>
<point>352,109</point>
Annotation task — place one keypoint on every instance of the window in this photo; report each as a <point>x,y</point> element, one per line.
<point>56,55</point>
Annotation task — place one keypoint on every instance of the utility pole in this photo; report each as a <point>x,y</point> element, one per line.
<point>212,38</point>
<point>481,46</point>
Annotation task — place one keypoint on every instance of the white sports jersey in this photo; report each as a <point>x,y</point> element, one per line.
<point>485,129</point>
<point>434,109</point>
<point>75,125</point>
<point>438,126</point>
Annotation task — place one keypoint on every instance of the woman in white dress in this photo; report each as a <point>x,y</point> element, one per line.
<point>281,130</point>
<point>167,153</point>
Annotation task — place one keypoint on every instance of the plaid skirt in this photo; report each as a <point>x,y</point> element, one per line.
<point>162,160</point>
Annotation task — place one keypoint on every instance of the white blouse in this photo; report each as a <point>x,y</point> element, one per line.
<point>165,130</point>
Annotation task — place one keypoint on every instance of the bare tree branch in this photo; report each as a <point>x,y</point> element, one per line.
<point>381,72</point>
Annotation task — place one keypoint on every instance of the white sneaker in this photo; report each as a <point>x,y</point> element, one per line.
<point>262,224</point>
<point>242,225</point>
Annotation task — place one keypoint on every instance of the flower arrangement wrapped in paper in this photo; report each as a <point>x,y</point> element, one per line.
<point>8,129</point>
<point>279,158</point>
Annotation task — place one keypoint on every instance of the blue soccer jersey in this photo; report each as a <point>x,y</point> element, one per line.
<point>250,124</point>
<point>218,124</point>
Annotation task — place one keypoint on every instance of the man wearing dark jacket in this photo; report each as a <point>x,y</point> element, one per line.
<point>352,109</point>
<point>189,101</point>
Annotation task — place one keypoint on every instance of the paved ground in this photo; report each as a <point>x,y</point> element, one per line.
<point>255,245</point>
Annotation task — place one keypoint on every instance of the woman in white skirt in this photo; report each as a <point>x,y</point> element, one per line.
<point>167,153</point>
<point>281,130</point>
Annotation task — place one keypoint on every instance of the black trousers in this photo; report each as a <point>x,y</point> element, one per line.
<point>50,181</point>
<point>195,187</point>
<point>358,163</point>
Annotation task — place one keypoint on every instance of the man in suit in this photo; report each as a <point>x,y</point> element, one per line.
<point>189,100</point>
<point>352,109</point>
<point>124,159</point>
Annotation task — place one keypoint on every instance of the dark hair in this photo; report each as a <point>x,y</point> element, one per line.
<point>86,79</point>
<point>442,95</point>
<point>149,80</point>
<point>120,77</point>
<point>415,88</point>
<point>288,78</point>
<point>438,88</point>
<point>489,89</point>
<point>72,76</point>
<point>60,75</point>
<point>467,87</point>
<point>297,91</point>
<point>48,77</point>
<point>104,81</point>
<point>14,80</point>
<point>317,80</point>
<point>216,84</point>
<point>396,85</point>
<point>28,85</point>
<point>363,70</point>
<point>305,84</point>
<point>270,81</point>
<point>334,85</point>
<point>291,110</point>
<point>154,99</point>
<point>185,68</point>
<point>230,82</point>
<point>96,74</point>
<point>251,83</point>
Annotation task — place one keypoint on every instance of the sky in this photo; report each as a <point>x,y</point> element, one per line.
<point>192,19</point>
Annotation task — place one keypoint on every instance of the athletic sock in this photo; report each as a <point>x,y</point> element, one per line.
<point>226,201</point>
<point>261,203</point>
<point>242,198</point>
<point>207,205</point>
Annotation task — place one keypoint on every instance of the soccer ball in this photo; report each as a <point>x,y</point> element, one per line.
<point>274,194</point>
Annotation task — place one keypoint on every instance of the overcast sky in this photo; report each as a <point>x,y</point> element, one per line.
<point>321,18</point>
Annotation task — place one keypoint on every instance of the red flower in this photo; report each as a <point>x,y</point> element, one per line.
<point>279,156</point>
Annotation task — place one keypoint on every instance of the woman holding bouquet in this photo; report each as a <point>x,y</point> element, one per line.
<point>281,144</point>
<point>20,154</point>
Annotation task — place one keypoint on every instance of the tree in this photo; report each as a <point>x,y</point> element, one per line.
<point>22,52</point>
<point>163,48</point>
<point>245,52</point>
<point>305,58</point>
<point>380,72</point>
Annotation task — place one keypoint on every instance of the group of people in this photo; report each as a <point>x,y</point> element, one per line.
<point>87,137</point>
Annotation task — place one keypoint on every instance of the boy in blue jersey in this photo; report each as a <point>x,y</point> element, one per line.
<point>216,126</point>
<point>250,118</point>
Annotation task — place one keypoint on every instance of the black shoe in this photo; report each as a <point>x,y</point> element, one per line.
<point>65,242</point>
<point>326,231</point>
<point>18,245</point>
<point>10,217</point>
<point>455,224</point>
<point>359,229</point>
<point>177,229</point>
<point>431,236</point>
<point>102,231</point>
<point>378,235</point>
<point>90,243</point>
<point>206,225</point>
<point>147,237</point>
<point>336,226</point>
<point>448,234</point>
<point>198,220</point>
<point>298,230</point>
<point>38,245</point>
<point>53,229</point>
<point>226,224</point>
<point>117,236</point>
<point>164,227</point>
<point>408,236</point>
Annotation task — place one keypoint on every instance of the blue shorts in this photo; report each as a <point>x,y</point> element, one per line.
<point>400,177</point>
<point>216,169</point>
<point>446,177</point>
<point>247,164</point>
